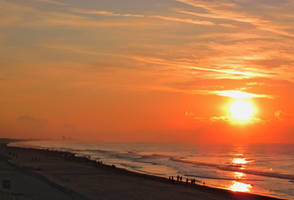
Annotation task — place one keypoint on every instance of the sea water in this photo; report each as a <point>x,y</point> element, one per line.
<point>266,169</point>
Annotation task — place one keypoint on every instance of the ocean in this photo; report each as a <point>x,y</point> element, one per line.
<point>266,169</point>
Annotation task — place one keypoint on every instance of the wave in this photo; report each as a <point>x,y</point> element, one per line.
<point>237,168</point>
<point>155,156</point>
<point>130,166</point>
<point>220,178</point>
<point>129,155</point>
<point>154,159</point>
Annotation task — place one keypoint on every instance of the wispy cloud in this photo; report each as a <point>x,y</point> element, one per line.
<point>234,73</point>
<point>183,20</point>
<point>83,22</point>
<point>68,17</point>
<point>231,72</point>
<point>105,13</point>
<point>27,119</point>
<point>55,2</point>
<point>237,94</point>
<point>227,11</point>
<point>228,119</point>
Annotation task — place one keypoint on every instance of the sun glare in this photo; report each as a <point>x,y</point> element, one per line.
<point>240,187</point>
<point>241,110</point>
<point>239,175</point>
<point>240,161</point>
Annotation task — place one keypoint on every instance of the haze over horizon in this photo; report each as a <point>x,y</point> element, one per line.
<point>189,71</point>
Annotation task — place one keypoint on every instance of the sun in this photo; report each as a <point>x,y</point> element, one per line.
<point>242,110</point>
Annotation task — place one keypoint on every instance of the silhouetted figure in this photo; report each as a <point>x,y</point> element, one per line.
<point>172,178</point>
<point>181,178</point>
<point>178,178</point>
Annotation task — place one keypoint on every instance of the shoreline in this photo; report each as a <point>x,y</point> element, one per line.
<point>84,164</point>
<point>29,176</point>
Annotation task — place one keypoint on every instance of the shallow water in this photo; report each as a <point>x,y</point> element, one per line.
<point>261,169</point>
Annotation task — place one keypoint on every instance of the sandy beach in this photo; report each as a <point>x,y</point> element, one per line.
<point>21,183</point>
<point>42,174</point>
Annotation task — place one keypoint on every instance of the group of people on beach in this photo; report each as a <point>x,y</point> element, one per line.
<point>179,179</point>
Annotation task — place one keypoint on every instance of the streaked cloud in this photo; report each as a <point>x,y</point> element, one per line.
<point>68,17</point>
<point>227,119</point>
<point>160,57</point>
<point>55,2</point>
<point>237,94</point>
<point>227,11</point>
<point>235,74</point>
<point>27,119</point>
<point>105,13</point>
<point>183,20</point>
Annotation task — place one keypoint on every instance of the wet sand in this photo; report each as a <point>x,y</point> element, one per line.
<point>69,177</point>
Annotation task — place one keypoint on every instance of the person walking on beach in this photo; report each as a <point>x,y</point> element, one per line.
<point>172,178</point>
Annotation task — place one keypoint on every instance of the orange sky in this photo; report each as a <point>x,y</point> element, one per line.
<point>138,70</point>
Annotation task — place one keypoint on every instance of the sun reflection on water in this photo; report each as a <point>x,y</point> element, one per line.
<point>240,161</point>
<point>239,175</point>
<point>240,187</point>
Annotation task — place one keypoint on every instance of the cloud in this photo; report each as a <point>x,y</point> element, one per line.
<point>73,49</point>
<point>255,84</point>
<point>231,12</point>
<point>208,54</point>
<point>91,23</point>
<point>183,20</point>
<point>16,14</point>
<point>12,13</point>
<point>218,14</point>
<point>226,71</point>
<point>26,119</point>
<point>105,13</point>
<point>281,115</point>
<point>231,73</point>
<point>58,3</point>
<point>239,94</point>
<point>253,120</point>
<point>219,118</point>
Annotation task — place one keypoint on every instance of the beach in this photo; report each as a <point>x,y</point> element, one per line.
<point>23,183</point>
<point>62,175</point>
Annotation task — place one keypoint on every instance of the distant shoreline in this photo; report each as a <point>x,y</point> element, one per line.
<point>61,159</point>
